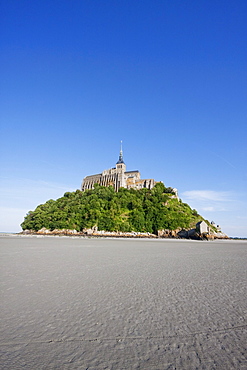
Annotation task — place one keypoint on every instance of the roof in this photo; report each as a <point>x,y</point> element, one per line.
<point>97,174</point>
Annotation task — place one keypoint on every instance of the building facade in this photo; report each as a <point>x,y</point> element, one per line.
<point>118,177</point>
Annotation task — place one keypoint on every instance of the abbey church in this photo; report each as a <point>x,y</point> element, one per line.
<point>118,177</point>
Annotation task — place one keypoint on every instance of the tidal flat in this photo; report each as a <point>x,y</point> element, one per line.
<point>81,303</point>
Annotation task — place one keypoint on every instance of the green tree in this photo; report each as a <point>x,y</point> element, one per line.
<point>126,210</point>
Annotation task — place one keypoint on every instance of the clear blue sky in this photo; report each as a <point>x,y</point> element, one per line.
<point>166,77</point>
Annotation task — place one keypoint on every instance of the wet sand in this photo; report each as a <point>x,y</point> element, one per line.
<point>74,303</point>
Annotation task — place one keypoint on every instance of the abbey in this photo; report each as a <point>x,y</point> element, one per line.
<point>118,177</point>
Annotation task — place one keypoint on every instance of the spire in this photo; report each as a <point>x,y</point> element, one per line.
<point>120,160</point>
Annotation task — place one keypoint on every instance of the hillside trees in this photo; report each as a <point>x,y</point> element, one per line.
<point>141,210</point>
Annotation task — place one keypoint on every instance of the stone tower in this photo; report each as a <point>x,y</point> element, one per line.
<point>120,169</point>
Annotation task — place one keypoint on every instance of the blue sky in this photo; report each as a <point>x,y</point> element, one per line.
<point>166,77</point>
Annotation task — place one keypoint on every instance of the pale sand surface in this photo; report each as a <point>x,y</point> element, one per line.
<point>73,303</point>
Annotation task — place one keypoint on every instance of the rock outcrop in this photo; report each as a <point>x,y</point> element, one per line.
<point>175,234</point>
<point>89,232</point>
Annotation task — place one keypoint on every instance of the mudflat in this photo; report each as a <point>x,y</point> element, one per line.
<point>77,303</point>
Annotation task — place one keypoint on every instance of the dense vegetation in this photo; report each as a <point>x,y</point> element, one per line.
<point>126,210</point>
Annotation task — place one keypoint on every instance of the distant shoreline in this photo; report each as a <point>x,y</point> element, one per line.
<point>20,234</point>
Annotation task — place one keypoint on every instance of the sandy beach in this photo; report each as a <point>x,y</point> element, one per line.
<point>78,303</point>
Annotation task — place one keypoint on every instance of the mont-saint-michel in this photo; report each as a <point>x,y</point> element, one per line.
<point>118,177</point>
<point>118,202</point>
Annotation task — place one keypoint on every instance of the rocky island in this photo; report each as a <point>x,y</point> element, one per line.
<point>119,203</point>
<point>101,212</point>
